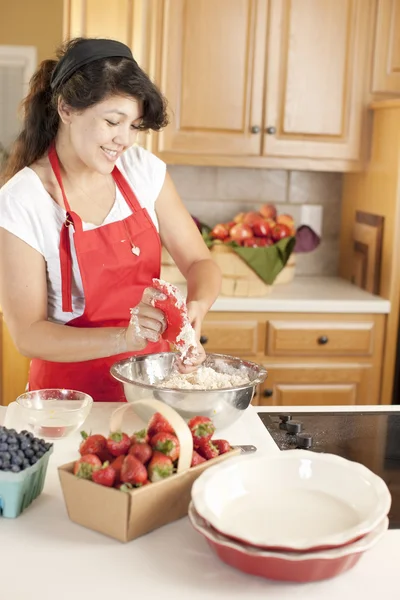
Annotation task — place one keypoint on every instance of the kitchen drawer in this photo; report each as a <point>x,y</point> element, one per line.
<point>316,385</point>
<point>238,338</point>
<point>319,338</point>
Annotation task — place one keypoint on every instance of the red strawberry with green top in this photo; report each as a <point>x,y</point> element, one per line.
<point>166,443</point>
<point>94,444</point>
<point>85,466</point>
<point>117,465</point>
<point>197,459</point>
<point>140,437</point>
<point>157,424</point>
<point>202,429</point>
<point>207,450</point>
<point>118,443</point>
<point>141,451</point>
<point>104,476</point>
<point>159,467</point>
<point>133,471</point>
<point>222,445</point>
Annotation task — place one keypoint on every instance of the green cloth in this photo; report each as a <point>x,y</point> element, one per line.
<point>267,261</point>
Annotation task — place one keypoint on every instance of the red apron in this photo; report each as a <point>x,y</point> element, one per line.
<point>113,281</point>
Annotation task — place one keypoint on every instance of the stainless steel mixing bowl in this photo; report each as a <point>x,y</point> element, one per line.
<point>140,376</point>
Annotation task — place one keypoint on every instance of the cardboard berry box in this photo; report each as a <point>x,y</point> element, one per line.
<point>126,516</point>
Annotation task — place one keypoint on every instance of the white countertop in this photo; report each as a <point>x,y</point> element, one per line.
<point>45,556</point>
<point>309,294</point>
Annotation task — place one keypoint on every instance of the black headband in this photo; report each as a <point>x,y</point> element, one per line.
<point>85,52</point>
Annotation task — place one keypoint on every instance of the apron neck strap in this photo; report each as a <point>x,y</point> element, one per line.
<point>55,165</point>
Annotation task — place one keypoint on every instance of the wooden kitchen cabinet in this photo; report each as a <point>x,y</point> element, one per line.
<point>344,369</point>
<point>14,368</point>
<point>386,59</point>
<point>263,84</point>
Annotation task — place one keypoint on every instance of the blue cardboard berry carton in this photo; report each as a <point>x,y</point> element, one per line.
<point>19,490</point>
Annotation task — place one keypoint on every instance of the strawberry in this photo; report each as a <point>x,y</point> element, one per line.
<point>118,443</point>
<point>104,476</point>
<point>141,451</point>
<point>166,443</point>
<point>157,424</point>
<point>92,444</point>
<point>202,429</point>
<point>197,459</point>
<point>133,471</point>
<point>207,449</point>
<point>85,466</point>
<point>117,465</point>
<point>159,467</point>
<point>140,437</point>
<point>222,445</point>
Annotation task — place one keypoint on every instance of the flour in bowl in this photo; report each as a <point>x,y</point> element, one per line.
<point>204,378</point>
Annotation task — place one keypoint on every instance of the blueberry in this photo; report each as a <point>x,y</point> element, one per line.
<point>29,452</point>
<point>26,462</point>
<point>48,446</point>
<point>6,468</point>
<point>16,460</point>
<point>3,447</point>
<point>35,447</point>
<point>15,469</point>
<point>12,439</point>
<point>6,464</point>
<point>12,432</point>
<point>25,445</point>
<point>39,454</point>
<point>33,460</point>
<point>1,464</point>
<point>21,453</point>
<point>3,437</point>
<point>6,456</point>
<point>13,447</point>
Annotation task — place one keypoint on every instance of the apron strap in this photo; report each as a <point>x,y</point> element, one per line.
<point>65,243</point>
<point>126,190</point>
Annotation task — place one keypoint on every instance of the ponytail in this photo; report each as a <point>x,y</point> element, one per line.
<point>40,123</point>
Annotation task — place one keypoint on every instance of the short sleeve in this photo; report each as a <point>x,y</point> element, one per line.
<point>17,215</point>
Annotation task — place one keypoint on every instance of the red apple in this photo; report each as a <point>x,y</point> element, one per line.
<point>240,232</point>
<point>280,231</point>
<point>220,232</point>
<point>261,228</point>
<point>252,217</point>
<point>288,221</point>
<point>250,243</point>
<point>229,225</point>
<point>268,211</point>
<point>265,241</point>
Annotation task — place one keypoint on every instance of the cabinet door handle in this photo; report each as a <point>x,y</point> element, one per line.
<point>255,129</point>
<point>268,393</point>
<point>203,339</point>
<point>322,340</point>
<point>271,130</point>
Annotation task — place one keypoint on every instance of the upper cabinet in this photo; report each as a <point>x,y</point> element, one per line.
<point>257,83</point>
<point>386,63</point>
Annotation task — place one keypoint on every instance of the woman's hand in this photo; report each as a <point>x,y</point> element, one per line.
<point>196,356</point>
<point>147,322</point>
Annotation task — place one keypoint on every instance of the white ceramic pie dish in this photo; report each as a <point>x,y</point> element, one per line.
<point>302,567</point>
<point>293,501</point>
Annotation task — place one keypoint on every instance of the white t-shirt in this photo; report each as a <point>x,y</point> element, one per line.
<point>30,213</point>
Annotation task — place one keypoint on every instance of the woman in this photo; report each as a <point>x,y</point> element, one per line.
<point>81,216</point>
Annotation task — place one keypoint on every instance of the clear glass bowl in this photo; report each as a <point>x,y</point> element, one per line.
<point>54,413</point>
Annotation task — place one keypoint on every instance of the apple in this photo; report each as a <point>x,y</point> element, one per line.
<point>241,232</point>
<point>250,243</point>
<point>268,211</point>
<point>261,228</point>
<point>239,217</point>
<point>286,220</point>
<point>252,217</point>
<point>229,225</point>
<point>265,241</point>
<point>280,231</point>
<point>219,232</point>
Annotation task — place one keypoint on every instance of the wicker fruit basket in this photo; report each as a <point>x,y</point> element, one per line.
<point>238,279</point>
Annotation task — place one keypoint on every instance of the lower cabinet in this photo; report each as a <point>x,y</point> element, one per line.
<point>14,368</point>
<point>311,359</point>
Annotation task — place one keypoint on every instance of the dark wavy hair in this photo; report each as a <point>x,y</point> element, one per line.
<point>91,84</point>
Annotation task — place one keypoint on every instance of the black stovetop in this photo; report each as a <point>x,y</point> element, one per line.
<point>370,438</point>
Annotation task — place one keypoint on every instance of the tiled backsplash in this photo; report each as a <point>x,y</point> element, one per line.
<point>216,194</point>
